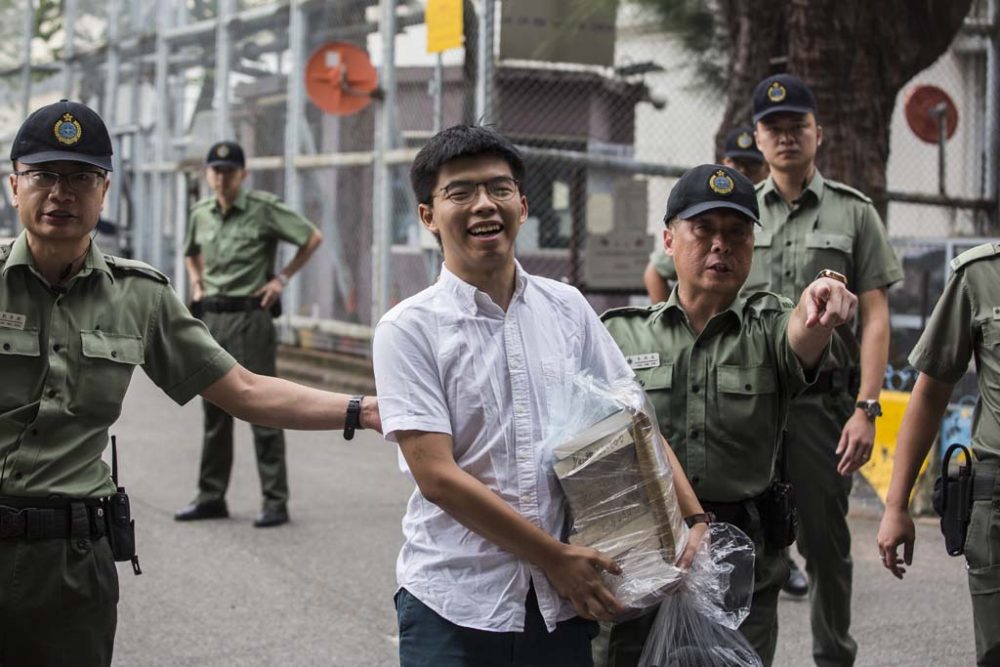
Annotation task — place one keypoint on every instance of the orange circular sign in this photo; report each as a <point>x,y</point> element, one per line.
<point>340,78</point>
<point>919,109</point>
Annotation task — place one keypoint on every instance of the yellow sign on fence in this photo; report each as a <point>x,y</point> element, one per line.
<point>444,25</point>
<point>878,470</point>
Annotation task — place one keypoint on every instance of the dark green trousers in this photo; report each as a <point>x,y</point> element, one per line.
<point>58,602</point>
<point>621,644</point>
<point>248,336</point>
<point>814,426</point>
<point>982,554</point>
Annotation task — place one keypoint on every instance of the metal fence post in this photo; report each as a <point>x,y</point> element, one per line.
<point>223,52</point>
<point>29,32</point>
<point>992,129</point>
<point>484,64</point>
<point>294,118</point>
<point>382,176</point>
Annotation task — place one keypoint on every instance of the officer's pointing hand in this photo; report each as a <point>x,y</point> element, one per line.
<point>828,303</point>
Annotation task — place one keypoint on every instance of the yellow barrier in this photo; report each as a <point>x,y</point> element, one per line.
<point>878,470</point>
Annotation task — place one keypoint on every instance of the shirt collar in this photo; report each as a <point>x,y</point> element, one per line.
<point>815,187</point>
<point>20,255</point>
<point>673,303</point>
<point>470,297</point>
<point>240,203</point>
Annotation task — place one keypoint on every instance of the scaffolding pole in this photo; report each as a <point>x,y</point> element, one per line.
<point>992,142</point>
<point>294,97</point>
<point>382,173</point>
<point>484,64</point>
<point>223,58</point>
<point>29,32</point>
<point>162,130</point>
<point>70,52</point>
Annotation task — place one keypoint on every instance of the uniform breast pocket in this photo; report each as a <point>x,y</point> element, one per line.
<point>106,364</point>
<point>746,398</point>
<point>760,276</point>
<point>20,358</point>
<point>827,250</point>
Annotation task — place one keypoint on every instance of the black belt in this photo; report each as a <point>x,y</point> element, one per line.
<point>983,485</point>
<point>835,380</point>
<point>45,519</point>
<point>230,304</point>
<point>733,512</point>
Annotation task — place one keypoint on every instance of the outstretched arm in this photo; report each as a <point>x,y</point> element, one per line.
<point>271,401</point>
<point>916,435</point>
<point>824,305</point>
<point>575,571</point>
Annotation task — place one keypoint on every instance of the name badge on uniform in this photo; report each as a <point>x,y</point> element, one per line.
<point>12,321</point>
<point>639,361</point>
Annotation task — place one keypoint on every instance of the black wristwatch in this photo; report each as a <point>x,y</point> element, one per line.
<point>871,408</point>
<point>353,420</point>
<point>705,518</point>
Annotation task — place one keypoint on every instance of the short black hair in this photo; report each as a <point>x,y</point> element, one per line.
<point>457,142</point>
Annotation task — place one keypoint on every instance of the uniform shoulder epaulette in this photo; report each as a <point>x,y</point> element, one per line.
<point>135,267</point>
<point>973,254</point>
<point>629,311</point>
<point>261,195</point>
<point>840,187</point>
<point>203,203</point>
<point>759,302</point>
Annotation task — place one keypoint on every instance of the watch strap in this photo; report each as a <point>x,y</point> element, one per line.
<point>704,517</point>
<point>352,421</point>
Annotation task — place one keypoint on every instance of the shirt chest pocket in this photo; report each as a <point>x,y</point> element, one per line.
<point>746,398</point>
<point>827,250</point>
<point>20,358</point>
<point>991,333</point>
<point>106,364</point>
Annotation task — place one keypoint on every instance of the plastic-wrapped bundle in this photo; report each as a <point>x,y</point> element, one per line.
<point>608,456</point>
<point>697,623</point>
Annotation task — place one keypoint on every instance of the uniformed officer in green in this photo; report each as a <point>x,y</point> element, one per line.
<point>230,252</point>
<point>965,325</point>
<point>74,324</point>
<point>738,152</point>
<point>810,223</point>
<point>721,369</point>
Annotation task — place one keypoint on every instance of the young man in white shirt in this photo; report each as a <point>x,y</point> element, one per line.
<point>466,371</point>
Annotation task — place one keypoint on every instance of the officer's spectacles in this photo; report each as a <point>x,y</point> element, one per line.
<point>78,181</point>
<point>501,188</point>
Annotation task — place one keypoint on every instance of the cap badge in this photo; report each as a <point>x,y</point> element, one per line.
<point>744,141</point>
<point>720,183</point>
<point>776,92</point>
<point>67,130</point>
<point>222,151</point>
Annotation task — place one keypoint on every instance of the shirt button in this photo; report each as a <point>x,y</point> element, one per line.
<point>788,274</point>
<point>747,387</point>
<point>18,475</point>
<point>6,346</point>
<point>694,433</point>
<point>56,347</point>
<point>788,243</point>
<point>51,393</point>
<point>694,389</point>
<point>114,354</point>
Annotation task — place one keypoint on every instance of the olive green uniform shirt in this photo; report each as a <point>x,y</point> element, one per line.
<point>67,356</point>
<point>239,248</point>
<point>721,397</point>
<point>965,324</point>
<point>830,226</point>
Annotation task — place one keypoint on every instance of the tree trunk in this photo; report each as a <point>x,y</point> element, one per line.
<point>856,55</point>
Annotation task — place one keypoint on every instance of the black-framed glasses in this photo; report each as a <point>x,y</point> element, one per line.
<point>501,188</point>
<point>77,181</point>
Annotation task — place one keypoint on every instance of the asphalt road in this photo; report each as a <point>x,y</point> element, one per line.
<point>318,591</point>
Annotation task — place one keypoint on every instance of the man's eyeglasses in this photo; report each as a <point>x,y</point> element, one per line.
<point>501,188</point>
<point>78,181</point>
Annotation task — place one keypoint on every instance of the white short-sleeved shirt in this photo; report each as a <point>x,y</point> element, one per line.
<point>450,360</point>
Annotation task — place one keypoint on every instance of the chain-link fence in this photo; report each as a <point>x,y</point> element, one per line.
<point>607,108</point>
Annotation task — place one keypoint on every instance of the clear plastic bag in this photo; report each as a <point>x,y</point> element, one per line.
<point>696,626</point>
<point>607,453</point>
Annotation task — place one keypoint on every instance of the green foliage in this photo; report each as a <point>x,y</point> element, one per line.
<point>699,30</point>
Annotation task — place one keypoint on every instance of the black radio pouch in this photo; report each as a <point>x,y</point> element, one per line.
<point>118,519</point>
<point>952,500</point>
<point>779,513</point>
